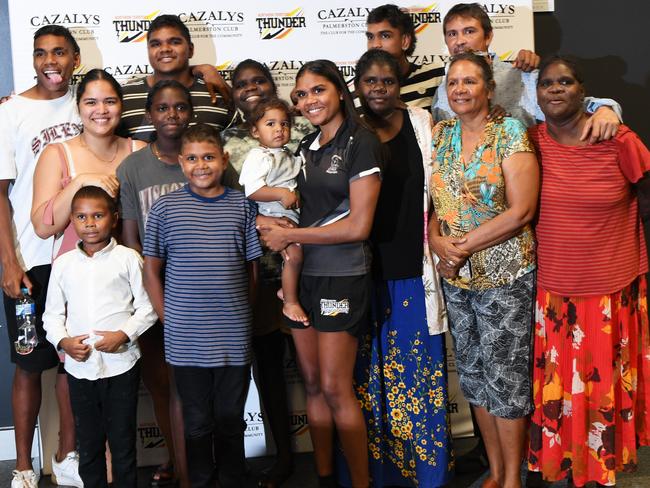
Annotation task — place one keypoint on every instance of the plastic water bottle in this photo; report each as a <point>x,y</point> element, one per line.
<point>26,321</point>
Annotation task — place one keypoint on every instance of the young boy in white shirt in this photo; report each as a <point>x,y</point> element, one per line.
<point>95,310</point>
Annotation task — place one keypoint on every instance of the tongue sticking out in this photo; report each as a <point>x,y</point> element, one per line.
<point>55,77</point>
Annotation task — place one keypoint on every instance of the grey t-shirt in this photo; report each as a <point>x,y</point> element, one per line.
<point>143,180</point>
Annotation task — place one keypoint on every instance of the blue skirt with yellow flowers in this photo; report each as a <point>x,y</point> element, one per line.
<point>402,386</point>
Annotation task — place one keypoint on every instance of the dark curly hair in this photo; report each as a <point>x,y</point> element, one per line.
<point>264,106</point>
<point>398,19</point>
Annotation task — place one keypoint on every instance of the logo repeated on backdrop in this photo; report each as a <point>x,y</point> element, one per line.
<point>79,73</point>
<point>348,70</point>
<point>150,436</point>
<point>502,15</point>
<point>280,25</point>
<point>254,424</point>
<point>133,28</point>
<point>424,16</point>
<point>343,20</point>
<point>429,58</point>
<point>298,424</point>
<point>126,72</point>
<point>214,24</point>
<point>225,70</point>
<point>83,26</point>
<point>284,73</point>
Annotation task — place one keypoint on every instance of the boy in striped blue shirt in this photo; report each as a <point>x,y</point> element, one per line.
<point>200,250</point>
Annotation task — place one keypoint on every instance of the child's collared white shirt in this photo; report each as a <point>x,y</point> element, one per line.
<point>100,292</point>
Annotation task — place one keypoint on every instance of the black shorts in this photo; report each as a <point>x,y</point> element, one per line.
<point>44,355</point>
<point>336,303</point>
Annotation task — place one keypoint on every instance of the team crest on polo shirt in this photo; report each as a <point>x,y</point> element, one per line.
<point>335,164</point>
<point>332,308</point>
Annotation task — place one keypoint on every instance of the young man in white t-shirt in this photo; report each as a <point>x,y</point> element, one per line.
<point>45,113</point>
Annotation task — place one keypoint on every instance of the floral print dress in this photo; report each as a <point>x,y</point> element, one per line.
<point>591,337</point>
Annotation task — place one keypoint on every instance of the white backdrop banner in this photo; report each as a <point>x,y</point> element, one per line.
<point>283,34</point>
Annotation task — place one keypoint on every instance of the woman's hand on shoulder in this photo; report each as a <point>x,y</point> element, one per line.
<point>108,182</point>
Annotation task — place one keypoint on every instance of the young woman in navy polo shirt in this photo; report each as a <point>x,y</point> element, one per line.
<point>339,186</point>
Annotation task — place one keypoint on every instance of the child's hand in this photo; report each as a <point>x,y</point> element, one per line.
<point>75,348</point>
<point>111,340</point>
<point>289,199</point>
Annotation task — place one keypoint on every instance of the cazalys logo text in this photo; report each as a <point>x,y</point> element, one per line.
<point>67,19</point>
<point>280,25</point>
<point>212,16</point>
<point>499,8</point>
<point>129,70</point>
<point>341,14</point>
<point>343,20</point>
<point>500,14</point>
<point>213,23</point>
<point>133,28</point>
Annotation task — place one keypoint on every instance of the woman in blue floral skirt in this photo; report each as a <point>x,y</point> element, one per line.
<point>401,377</point>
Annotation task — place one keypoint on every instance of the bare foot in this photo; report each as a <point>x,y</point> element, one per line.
<point>280,294</point>
<point>295,312</point>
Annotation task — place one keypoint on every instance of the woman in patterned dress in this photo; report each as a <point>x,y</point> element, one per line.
<point>591,351</point>
<point>400,373</point>
<point>485,187</point>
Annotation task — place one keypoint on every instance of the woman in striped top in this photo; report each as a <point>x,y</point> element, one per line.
<point>591,352</point>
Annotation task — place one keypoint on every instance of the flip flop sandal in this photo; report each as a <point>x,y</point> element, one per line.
<point>163,476</point>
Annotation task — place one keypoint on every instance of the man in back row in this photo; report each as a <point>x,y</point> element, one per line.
<point>467,27</point>
<point>170,48</point>
<point>391,29</point>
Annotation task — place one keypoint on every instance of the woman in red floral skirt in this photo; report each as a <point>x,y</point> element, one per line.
<point>592,352</point>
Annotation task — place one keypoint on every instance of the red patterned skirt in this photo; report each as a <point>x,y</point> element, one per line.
<point>590,384</point>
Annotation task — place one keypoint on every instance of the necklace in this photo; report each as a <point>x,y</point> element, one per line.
<point>159,155</point>
<point>155,150</point>
<point>87,147</point>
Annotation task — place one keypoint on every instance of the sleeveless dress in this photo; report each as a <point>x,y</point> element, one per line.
<point>66,240</point>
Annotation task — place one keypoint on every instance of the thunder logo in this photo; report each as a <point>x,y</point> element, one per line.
<point>423,16</point>
<point>134,28</point>
<point>278,26</point>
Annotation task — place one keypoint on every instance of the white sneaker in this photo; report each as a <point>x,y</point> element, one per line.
<point>24,479</point>
<point>66,472</point>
